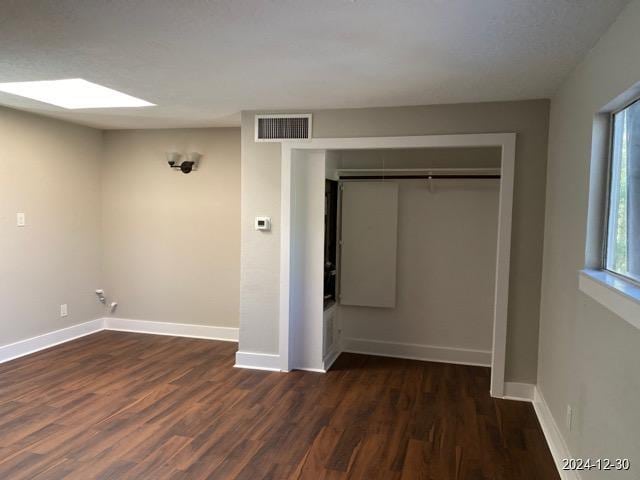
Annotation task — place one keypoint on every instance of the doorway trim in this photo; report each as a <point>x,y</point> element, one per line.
<point>507,144</point>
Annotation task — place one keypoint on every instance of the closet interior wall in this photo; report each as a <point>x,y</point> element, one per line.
<point>446,257</point>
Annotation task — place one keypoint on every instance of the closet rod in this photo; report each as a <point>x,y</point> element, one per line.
<point>415,177</point>
<point>440,170</point>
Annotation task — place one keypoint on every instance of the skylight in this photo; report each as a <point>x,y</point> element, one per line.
<point>73,93</point>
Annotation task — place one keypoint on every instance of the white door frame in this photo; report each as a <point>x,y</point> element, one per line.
<point>507,143</point>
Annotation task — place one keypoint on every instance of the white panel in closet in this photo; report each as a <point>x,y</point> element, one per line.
<point>369,244</point>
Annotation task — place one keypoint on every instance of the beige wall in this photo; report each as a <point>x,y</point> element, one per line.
<point>172,241</point>
<point>589,358</point>
<point>104,210</point>
<point>50,170</point>
<point>259,291</point>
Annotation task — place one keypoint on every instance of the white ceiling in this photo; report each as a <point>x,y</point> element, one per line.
<point>203,61</point>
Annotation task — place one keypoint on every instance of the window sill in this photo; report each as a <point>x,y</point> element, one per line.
<point>616,294</point>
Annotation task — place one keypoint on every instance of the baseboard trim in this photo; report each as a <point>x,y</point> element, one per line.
<point>330,358</point>
<point>312,370</point>
<point>524,392</point>
<point>558,447</point>
<point>428,353</point>
<point>51,339</point>
<point>48,340</point>
<point>555,440</point>
<point>258,361</point>
<point>206,332</point>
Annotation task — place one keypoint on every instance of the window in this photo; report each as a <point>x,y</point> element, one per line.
<point>623,232</point>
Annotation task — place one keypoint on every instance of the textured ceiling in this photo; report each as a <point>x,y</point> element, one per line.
<point>202,62</point>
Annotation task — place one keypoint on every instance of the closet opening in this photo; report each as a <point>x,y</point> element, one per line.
<point>412,245</point>
<point>417,252</point>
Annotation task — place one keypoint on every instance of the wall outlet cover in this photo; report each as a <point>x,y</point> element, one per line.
<point>263,224</point>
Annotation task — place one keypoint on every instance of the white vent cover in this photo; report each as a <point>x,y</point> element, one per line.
<point>278,127</point>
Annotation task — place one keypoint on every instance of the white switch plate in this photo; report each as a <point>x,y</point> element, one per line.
<point>21,220</point>
<point>569,417</point>
<point>63,310</point>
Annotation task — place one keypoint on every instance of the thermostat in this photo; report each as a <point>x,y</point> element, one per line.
<point>263,223</point>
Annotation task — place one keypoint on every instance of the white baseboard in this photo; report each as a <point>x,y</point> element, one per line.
<point>207,332</point>
<point>430,353</point>
<point>258,361</point>
<point>558,447</point>
<point>47,340</point>
<point>312,370</point>
<point>519,391</point>
<point>51,339</point>
<point>555,440</point>
<point>331,357</point>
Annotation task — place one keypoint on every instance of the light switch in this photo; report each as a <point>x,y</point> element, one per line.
<point>63,310</point>
<point>21,220</point>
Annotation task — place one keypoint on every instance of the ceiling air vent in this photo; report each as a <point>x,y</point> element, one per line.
<point>275,128</point>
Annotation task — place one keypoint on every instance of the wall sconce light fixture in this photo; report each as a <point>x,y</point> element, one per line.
<point>186,166</point>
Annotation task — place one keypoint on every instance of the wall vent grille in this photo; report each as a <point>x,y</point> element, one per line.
<point>275,128</point>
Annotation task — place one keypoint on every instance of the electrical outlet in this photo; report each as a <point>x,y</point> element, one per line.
<point>21,220</point>
<point>569,418</point>
<point>63,310</point>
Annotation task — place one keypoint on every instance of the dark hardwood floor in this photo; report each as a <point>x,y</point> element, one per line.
<point>129,406</point>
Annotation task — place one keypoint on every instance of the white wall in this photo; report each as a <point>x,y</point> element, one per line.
<point>50,170</point>
<point>589,357</point>
<point>332,162</point>
<point>307,259</point>
<point>445,270</point>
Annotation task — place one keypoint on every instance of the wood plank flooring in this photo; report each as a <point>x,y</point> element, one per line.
<point>129,406</point>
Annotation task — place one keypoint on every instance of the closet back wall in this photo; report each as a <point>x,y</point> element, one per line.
<point>445,276</point>
<point>445,266</point>
<point>172,241</point>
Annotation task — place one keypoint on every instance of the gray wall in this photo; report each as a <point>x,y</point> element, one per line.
<point>260,254</point>
<point>172,241</point>
<point>588,358</point>
<point>49,170</point>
